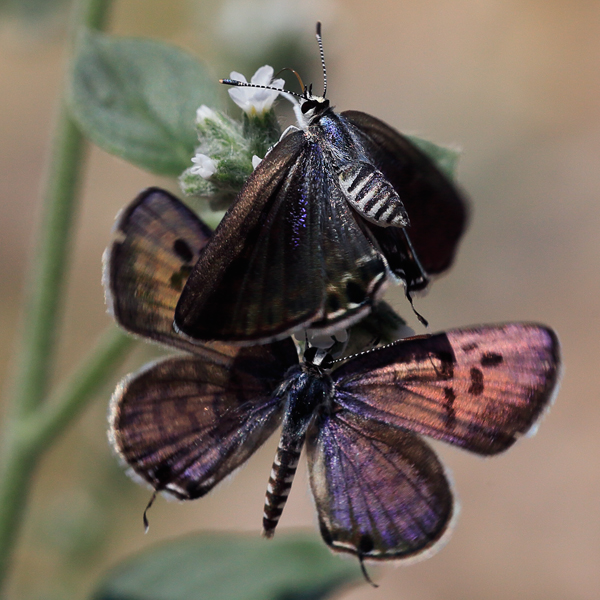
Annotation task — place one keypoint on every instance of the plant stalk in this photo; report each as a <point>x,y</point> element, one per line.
<point>43,309</point>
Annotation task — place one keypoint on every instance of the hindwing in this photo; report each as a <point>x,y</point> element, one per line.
<point>157,243</point>
<point>185,423</point>
<point>381,493</point>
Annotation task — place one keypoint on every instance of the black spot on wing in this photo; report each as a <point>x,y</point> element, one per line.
<point>327,538</point>
<point>183,250</point>
<point>178,279</point>
<point>365,545</point>
<point>450,412</point>
<point>447,364</point>
<point>476,382</point>
<point>333,302</point>
<point>356,293</point>
<point>491,359</point>
<point>163,475</point>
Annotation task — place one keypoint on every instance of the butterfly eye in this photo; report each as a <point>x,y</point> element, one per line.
<point>308,105</point>
<point>310,353</point>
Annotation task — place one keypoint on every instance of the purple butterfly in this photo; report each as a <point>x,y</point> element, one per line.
<point>186,422</point>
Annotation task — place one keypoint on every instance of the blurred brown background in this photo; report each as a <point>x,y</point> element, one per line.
<point>515,84</point>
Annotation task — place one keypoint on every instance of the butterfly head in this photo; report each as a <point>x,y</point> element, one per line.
<point>317,359</point>
<point>311,107</point>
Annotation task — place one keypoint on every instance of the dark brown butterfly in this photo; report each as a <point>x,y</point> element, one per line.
<point>334,212</point>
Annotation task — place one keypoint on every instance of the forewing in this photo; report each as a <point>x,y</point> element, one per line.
<point>380,492</point>
<point>288,253</point>
<point>157,242</point>
<point>260,275</point>
<point>478,388</point>
<point>185,423</point>
<point>436,210</point>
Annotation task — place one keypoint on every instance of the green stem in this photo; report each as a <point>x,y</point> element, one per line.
<point>20,451</point>
<point>50,266</point>
<point>65,404</point>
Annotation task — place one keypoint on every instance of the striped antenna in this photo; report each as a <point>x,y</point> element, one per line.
<point>320,41</point>
<point>256,85</point>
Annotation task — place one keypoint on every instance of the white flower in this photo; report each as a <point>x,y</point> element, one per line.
<point>255,101</point>
<point>204,166</point>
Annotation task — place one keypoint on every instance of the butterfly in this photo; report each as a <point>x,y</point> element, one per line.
<point>335,211</point>
<point>186,422</point>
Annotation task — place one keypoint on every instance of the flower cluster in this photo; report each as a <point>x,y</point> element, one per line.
<point>230,150</point>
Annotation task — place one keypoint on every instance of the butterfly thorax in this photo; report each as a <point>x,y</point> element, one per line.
<point>330,130</point>
<point>307,389</point>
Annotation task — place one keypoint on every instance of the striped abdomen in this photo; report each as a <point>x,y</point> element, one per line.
<point>306,389</point>
<point>280,483</point>
<point>372,195</point>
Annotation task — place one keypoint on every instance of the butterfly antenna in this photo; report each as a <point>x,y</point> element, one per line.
<point>320,42</point>
<point>237,83</point>
<point>146,524</point>
<point>364,572</point>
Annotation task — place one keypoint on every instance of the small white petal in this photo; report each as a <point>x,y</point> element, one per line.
<point>240,97</point>
<point>320,340</point>
<point>205,166</point>
<point>263,75</point>
<point>256,160</point>
<point>302,122</point>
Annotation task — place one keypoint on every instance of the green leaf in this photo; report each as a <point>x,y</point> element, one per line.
<point>446,159</point>
<point>137,98</point>
<point>231,567</point>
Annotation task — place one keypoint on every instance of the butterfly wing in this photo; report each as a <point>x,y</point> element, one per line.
<point>287,254</point>
<point>437,212</point>
<point>401,256</point>
<point>381,493</point>
<point>185,423</point>
<point>478,388</point>
<point>157,242</point>
<point>354,271</point>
